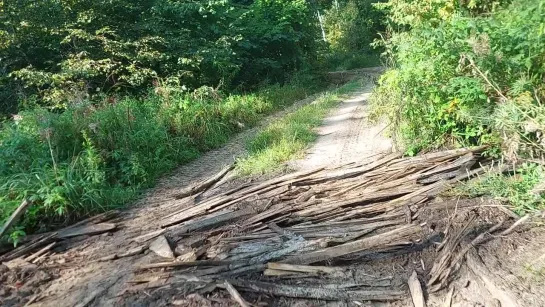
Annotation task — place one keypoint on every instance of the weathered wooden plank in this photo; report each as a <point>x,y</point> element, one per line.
<point>85,230</point>
<point>398,235</point>
<point>303,268</point>
<point>319,293</point>
<point>202,186</point>
<point>212,222</point>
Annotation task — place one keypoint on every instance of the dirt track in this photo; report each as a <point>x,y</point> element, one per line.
<point>346,136</point>
<point>72,275</point>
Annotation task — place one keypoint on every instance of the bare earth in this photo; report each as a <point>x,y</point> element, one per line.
<point>506,271</point>
<point>346,136</point>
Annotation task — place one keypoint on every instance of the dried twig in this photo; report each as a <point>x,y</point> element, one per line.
<point>15,216</point>
<point>416,291</point>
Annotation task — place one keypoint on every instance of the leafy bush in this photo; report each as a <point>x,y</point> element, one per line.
<point>96,156</point>
<point>463,77</point>
<point>467,75</point>
<point>351,26</point>
<point>349,29</point>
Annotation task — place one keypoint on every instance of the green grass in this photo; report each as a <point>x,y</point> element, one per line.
<point>517,189</point>
<point>288,137</point>
<point>100,155</point>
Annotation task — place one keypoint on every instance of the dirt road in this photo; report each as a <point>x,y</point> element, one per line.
<point>73,275</point>
<point>346,135</point>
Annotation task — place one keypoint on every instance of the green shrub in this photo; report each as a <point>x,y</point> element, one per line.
<point>349,28</point>
<point>459,76</point>
<point>62,52</point>
<point>467,75</point>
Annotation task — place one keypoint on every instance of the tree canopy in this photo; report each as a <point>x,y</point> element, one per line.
<point>59,51</point>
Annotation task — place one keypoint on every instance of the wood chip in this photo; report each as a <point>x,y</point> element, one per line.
<point>416,291</point>
<point>161,247</point>
<point>128,253</point>
<point>40,252</point>
<point>236,296</point>
<point>448,298</point>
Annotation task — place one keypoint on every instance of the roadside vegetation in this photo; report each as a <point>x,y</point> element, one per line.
<point>522,189</point>
<point>97,156</point>
<point>98,98</point>
<point>469,73</point>
<point>288,138</point>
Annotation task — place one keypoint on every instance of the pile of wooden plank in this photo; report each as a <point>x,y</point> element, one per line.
<point>36,247</point>
<point>257,237</point>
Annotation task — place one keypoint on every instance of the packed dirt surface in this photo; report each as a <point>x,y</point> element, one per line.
<point>506,268</point>
<point>346,135</point>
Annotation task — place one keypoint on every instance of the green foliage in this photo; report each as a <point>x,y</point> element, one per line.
<point>469,73</point>
<point>96,156</point>
<point>462,73</point>
<point>64,52</point>
<point>287,138</point>
<point>517,188</point>
<point>350,27</point>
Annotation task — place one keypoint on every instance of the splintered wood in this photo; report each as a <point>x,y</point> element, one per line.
<point>88,227</point>
<point>259,237</point>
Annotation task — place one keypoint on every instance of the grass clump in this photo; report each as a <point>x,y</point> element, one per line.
<point>288,137</point>
<point>98,155</point>
<point>522,189</point>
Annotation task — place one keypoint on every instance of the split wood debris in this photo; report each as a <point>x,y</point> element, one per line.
<point>38,246</point>
<point>261,237</point>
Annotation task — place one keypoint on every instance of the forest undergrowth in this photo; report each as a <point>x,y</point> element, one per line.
<point>466,74</point>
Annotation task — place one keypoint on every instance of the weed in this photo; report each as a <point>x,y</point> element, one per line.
<point>518,188</point>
